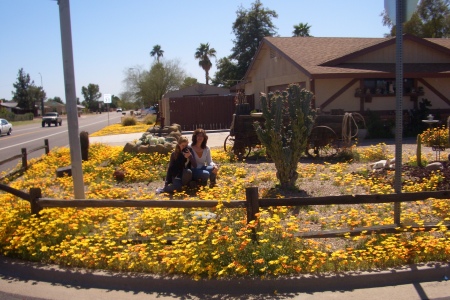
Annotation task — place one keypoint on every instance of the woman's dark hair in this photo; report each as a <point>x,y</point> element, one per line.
<point>205,137</point>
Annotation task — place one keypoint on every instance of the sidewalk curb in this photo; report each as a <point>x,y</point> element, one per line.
<point>181,285</point>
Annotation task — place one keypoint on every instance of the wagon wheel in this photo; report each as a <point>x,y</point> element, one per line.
<point>238,147</point>
<point>228,144</point>
<point>322,142</point>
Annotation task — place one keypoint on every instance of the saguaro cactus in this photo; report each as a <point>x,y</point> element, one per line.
<point>289,119</point>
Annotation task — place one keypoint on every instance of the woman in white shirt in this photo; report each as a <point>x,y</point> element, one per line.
<point>206,168</point>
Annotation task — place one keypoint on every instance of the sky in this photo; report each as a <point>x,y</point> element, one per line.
<point>111,36</point>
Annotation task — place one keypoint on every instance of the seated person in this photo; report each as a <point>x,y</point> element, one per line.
<point>205,168</point>
<point>179,171</point>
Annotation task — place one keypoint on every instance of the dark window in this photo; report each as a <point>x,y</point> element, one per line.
<point>386,86</point>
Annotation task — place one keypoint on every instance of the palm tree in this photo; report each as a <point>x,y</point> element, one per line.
<point>157,52</point>
<point>301,30</point>
<point>203,54</point>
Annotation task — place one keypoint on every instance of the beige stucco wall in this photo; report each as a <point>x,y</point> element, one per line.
<point>412,53</point>
<point>443,86</point>
<point>325,88</point>
<point>271,72</point>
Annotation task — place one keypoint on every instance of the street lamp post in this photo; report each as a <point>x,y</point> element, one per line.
<point>42,100</point>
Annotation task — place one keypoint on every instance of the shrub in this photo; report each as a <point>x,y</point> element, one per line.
<point>129,121</point>
<point>149,119</point>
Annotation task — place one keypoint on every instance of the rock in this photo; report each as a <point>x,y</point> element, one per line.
<point>435,166</point>
<point>143,149</point>
<point>129,147</point>
<point>383,164</point>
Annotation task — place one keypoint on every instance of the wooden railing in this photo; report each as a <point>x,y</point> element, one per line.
<point>24,157</point>
<point>252,204</point>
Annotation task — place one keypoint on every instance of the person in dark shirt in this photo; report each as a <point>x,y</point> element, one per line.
<point>179,172</point>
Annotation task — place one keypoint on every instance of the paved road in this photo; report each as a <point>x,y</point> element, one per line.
<point>32,136</point>
<point>26,280</point>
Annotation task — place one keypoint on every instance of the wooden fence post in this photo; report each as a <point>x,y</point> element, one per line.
<point>252,205</point>
<point>35,194</point>
<point>47,147</point>
<point>24,158</point>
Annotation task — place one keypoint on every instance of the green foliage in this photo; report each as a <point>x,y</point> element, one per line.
<point>129,121</point>
<point>164,77</point>
<point>227,73</point>
<point>301,30</point>
<point>12,117</point>
<point>91,95</point>
<point>348,154</point>
<point>203,54</point>
<point>416,116</point>
<point>289,119</point>
<point>250,27</point>
<point>157,52</point>
<point>188,81</point>
<point>149,119</point>
<point>431,20</point>
<point>26,93</point>
<point>378,128</point>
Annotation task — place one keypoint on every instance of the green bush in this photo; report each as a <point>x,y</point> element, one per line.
<point>129,121</point>
<point>149,119</point>
<point>12,117</point>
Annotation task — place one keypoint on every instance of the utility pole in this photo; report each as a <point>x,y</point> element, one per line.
<point>71,105</point>
<point>42,100</point>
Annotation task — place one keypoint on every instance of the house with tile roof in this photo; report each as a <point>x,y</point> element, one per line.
<point>353,74</point>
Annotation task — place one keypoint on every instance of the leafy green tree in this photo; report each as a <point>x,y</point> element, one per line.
<point>431,20</point>
<point>250,27</point>
<point>162,78</point>
<point>226,74</point>
<point>289,119</point>
<point>37,95</point>
<point>157,52</point>
<point>22,95</point>
<point>302,29</point>
<point>91,95</point>
<point>203,54</point>
<point>188,81</point>
<point>115,101</point>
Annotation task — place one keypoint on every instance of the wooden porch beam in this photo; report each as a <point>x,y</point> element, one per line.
<point>434,90</point>
<point>338,93</point>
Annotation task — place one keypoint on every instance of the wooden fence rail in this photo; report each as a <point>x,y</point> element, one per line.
<point>252,204</point>
<point>24,156</point>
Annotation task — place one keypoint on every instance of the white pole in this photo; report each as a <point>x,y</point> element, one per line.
<point>71,99</point>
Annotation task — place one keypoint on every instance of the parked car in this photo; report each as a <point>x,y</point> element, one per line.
<point>119,109</point>
<point>51,118</point>
<point>5,127</point>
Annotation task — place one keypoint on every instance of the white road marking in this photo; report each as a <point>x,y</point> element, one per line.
<point>46,136</point>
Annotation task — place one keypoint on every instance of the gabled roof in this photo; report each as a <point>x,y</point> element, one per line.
<point>8,104</point>
<point>327,56</point>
